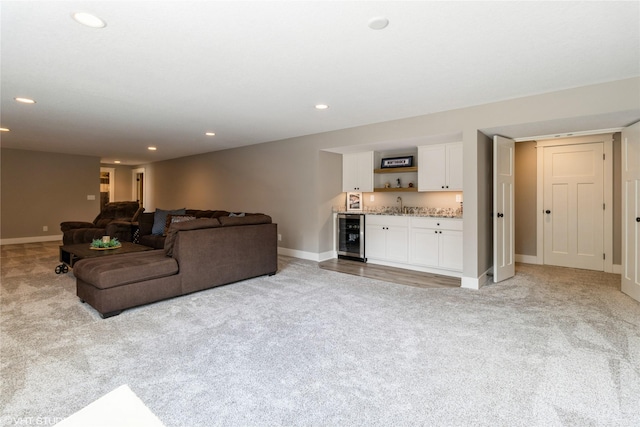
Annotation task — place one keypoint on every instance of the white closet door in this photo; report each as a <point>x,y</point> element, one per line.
<point>574,206</point>
<point>503,225</point>
<point>631,211</point>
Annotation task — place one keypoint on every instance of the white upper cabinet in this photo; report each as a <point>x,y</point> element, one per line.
<point>454,166</point>
<point>440,167</point>
<point>357,172</point>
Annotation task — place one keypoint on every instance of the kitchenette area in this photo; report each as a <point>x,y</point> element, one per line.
<point>403,209</point>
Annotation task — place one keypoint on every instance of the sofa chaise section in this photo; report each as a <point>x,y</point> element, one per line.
<point>126,281</point>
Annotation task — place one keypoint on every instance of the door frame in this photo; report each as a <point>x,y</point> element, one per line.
<point>134,189</point>
<point>607,140</point>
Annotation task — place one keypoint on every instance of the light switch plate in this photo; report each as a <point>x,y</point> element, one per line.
<point>91,197</point>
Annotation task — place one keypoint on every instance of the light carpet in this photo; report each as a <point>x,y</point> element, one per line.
<point>311,347</point>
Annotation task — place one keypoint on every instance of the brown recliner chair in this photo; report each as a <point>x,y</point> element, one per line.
<point>115,220</point>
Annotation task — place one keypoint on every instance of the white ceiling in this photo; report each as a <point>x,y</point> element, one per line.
<point>163,73</point>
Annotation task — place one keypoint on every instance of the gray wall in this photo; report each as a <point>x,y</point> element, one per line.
<point>617,198</point>
<point>525,198</point>
<point>41,189</point>
<point>124,188</point>
<point>294,183</point>
<point>485,202</point>
<point>329,178</point>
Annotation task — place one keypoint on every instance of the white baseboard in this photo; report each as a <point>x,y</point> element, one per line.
<point>527,259</point>
<point>449,273</point>
<point>311,256</point>
<point>533,259</point>
<point>33,239</point>
<point>477,283</point>
<point>323,256</point>
<point>470,283</point>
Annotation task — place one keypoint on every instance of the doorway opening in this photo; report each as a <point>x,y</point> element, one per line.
<point>107,186</point>
<point>574,220</point>
<point>139,186</point>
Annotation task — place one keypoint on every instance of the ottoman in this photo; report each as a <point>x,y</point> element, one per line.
<point>112,284</point>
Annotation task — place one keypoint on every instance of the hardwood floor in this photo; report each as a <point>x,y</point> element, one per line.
<point>391,274</point>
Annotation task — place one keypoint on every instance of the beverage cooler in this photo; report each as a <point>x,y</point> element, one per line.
<point>350,238</point>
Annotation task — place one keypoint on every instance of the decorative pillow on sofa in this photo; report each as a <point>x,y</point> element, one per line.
<point>237,214</point>
<point>160,219</point>
<point>172,219</point>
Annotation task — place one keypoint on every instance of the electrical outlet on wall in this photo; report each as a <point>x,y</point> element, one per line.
<point>91,197</point>
<point>372,198</point>
<point>45,228</point>
<point>279,237</point>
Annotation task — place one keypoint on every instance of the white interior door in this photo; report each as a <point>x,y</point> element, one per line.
<point>503,225</point>
<point>574,206</point>
<point>631,211</point>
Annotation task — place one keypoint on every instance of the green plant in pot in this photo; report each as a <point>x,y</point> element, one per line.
<point>101,244</point>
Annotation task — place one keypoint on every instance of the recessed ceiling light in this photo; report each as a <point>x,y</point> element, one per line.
<point>378,23</point>
<point>152,148</point>
<point>89,20</point>
<point>4,129</point>
<point>321,106</point>
<point>209,133</point>
<point>25,100</point>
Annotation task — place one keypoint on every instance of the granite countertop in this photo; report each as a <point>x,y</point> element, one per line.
<point>410,211</point>
<point>423,215</point>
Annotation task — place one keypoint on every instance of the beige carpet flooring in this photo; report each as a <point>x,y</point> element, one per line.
<point>313,347</point>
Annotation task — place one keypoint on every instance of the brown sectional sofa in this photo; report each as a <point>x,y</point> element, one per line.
<point>197,255</point>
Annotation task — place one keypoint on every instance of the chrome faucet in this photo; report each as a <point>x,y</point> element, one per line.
<point>399,199</point>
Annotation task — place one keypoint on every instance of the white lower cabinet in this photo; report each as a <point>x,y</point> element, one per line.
<point>418,243</point>
<point>436,242</point>
<point>450,246</point>
<point>386,237</point>
<point>424,247</point>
